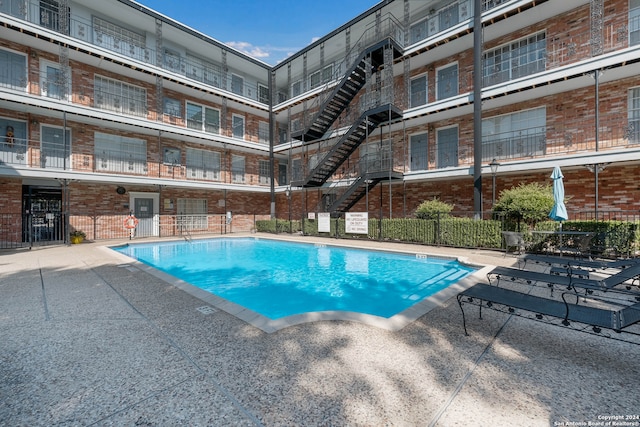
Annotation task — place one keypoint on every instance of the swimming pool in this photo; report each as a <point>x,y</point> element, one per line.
<point>278,279</point>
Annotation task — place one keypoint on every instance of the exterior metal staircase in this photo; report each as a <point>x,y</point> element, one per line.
<point>359,189</point>
<point>347,144</point>
<point>344,92</point>
<point>366,88</point>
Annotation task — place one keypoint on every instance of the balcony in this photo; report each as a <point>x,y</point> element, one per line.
<point>45,156</point>
<point>134,45</point>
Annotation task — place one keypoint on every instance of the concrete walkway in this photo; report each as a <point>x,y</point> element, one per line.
<point>88,340</point>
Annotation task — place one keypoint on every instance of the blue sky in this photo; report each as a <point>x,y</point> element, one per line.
<point>269,30</point>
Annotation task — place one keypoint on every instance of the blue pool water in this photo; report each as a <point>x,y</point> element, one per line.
<point>279,279</point>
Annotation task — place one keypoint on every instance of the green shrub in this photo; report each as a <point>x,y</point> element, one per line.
<point>432,209</point>
<point>530,203</point>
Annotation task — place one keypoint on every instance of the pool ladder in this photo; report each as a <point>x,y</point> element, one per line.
<point>187,235</point>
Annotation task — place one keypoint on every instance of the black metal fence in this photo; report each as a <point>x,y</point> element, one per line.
<point>616,233</point>
<point>43,229</point>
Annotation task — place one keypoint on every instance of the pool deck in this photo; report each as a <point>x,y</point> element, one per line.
<point>89,339</point>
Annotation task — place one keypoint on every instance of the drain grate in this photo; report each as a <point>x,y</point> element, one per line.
<point>205,309</point>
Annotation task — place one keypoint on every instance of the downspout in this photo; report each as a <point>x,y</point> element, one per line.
<point>477,108</point>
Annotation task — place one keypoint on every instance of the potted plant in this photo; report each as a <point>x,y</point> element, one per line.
<point>77,236</point>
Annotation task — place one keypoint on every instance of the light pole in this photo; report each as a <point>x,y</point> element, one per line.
<point>494,165</point>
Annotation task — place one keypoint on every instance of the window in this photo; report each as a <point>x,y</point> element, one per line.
<point>237,169</point>
<point>13,7</point>
<point>203,118</point>
<point>13,141</point>
<point>172,156</point>
<point>53,83</point>
<point>516,59</point>
<point>119,39</point>
<point>13,70</point>
<point>120,97</point>
<point>282,173</point>
<point>447,82</point>
<point>447,147</point>
<point>315,79</point>
<point>320,77</point>
<point>327,73</point>
<point>202,164</point>
<point>448,17</point>
<point>263,94</point>
<point>490,4</point>
<point>297,172</point>
<point>634,22</point>
<point>296,88</point>
<point>116,153</point>
<point>192,214</point>
<point>282,135</point>
<point>418,152</point>
<point>211,120</point>
<point>264,168</point>
<point>263,132</point>
<point>171,107</point>
<point>633,127</point>
<point>237,84</point>
<point>515,135</point>
<point>55,147</point>
<point>418,91</point>
<point>238,126</point>
<point>441,20</point>
<point>50,16</point>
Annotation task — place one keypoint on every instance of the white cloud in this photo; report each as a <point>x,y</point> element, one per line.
<point>314,39</point>
<point>249,49</point>
<point>269,54</point>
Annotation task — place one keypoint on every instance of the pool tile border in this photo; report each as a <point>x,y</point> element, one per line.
<point>393,323</point>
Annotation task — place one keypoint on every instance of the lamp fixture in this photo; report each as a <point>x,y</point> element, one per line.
<point>599,166</point>
<point>494,165</point>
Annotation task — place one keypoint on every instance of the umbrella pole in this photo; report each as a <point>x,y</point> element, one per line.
<point>560,247</point>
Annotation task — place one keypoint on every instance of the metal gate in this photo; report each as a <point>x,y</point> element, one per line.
<point>143,210</point>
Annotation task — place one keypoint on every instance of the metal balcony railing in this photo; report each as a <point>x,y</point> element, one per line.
<point>133,44</point>
<point>122,99</point>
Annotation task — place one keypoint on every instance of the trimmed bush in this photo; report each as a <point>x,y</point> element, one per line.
<point>433,209</point>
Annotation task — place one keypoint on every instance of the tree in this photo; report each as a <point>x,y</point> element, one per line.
<point>526,202</point>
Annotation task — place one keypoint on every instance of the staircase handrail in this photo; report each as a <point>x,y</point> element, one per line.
<point>390,27</point>
<point>357,169</point>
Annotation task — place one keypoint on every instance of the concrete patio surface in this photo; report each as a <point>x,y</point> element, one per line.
<point>86,339</point>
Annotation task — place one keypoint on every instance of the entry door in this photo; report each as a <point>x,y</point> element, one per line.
<point>42,214</point>
<point>143,210</point>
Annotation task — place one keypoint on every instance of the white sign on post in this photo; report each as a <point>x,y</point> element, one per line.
<point>324,222</point>
<point>357,222</point>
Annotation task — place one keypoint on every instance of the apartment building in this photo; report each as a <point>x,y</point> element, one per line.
<point>109,107</point>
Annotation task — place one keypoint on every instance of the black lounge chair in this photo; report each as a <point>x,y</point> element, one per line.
<point>609,315</point>
<point>603,284</point>
<point>571,262</point>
